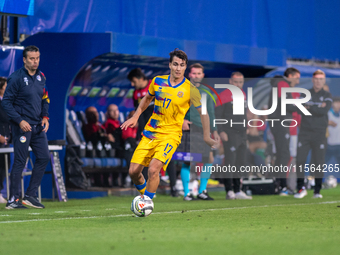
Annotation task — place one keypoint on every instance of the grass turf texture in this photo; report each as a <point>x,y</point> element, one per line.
<point>264,225</point>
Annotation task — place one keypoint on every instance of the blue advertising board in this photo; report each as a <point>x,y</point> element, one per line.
<point>17,7</point>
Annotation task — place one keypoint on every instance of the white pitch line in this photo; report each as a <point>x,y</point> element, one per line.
<point>203,210</point>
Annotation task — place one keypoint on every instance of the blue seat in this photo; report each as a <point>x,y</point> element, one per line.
<point>76,124</point>
<point>88,162</point>
<point>97,162</point>
<point>124,164</point>
<point>102,117</point>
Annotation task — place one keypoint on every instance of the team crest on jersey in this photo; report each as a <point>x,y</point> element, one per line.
<point>26,80</point>
<point>23,139</point>
<point>38,77</point>
<point>321,98</point>
<point>180,94</point>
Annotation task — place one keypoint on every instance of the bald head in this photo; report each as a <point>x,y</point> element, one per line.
<point>112,111</point>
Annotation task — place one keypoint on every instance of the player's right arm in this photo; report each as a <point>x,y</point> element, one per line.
<point>144,103</point>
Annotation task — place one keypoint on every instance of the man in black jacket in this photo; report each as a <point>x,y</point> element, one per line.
<point>26,103</point>
<point>281,134</point>
<point>4,135</point>
<point>312,135</point>
<point>234,138</point>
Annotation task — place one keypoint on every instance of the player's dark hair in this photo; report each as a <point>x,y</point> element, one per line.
<point>290,70</point>
<point>3,80</point>
<point>180,54</point>
<point>236,74</point>
<point>137,73</point>
<point>196,65</point>
<point>30,48</point>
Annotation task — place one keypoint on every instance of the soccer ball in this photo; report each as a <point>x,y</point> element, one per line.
<point>142,206</point>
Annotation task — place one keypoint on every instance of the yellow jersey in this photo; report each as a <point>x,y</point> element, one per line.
<point>171,105</point>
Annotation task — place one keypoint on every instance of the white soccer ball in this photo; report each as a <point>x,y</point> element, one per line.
<point>142,206</point>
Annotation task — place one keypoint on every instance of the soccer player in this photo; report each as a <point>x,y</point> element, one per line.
<point>196,74</point>
<point>173,96</point>
<point>312,135</point>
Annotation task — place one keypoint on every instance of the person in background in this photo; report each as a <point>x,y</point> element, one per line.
<point>114,134</point>
<point>112,127</point>
<point>141,84</point>
<point>93,130</point>
<point>95,133</point>
<point>130,132</point>
<point>281,134</point>
<point>333,140</point>
<point>234,138</point>
<point>4,135</point>
<point>196,74</point>
<point>312,135</point>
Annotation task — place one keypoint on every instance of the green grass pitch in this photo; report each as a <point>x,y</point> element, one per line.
<point>264,225</point>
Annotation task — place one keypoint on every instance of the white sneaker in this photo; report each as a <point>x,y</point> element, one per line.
<point>189,197</point>
<point>301,194</point>
<point>318,195</point>
<point>2,200</point>
<point>230,195</point>
<point>242,195</point>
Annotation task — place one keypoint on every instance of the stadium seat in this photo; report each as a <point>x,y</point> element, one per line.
<point>74,138</point>
<point>102,117</point>
<point>76,124</point>
<point>97,162</point>
<point>82,117</point>
<point>72,134</point>
<point>122,117</point>
<point>89,162</point>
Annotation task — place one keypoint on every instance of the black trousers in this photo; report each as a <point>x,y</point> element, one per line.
<point>315,141</point>
<point>21,141</point>
<point>3,168</point>
<point>282,137</point>
<point>234,155</point>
